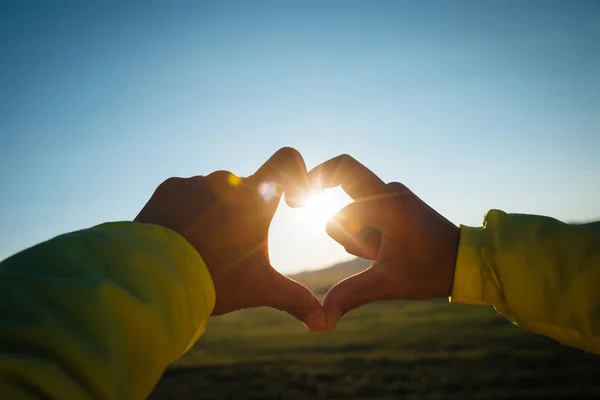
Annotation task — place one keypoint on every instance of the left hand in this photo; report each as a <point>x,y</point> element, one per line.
<point>226,219</point>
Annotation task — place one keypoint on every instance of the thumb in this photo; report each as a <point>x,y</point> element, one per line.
<point>356,227</point>
<point>365,287</point>
<point>297,300</point>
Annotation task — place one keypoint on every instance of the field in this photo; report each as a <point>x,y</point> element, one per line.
<point>387,350</point>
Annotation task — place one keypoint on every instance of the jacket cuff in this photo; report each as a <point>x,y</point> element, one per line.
<point>202,284</point>
<point>469,273</point>
<point>197,281</point>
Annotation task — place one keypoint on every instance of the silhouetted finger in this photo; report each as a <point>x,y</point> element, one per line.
<point>398,187</point>
<point>290,296</point>
<point>356,179</point>
<point>353,292</point>
<point>358,226</point>
<point>368,246</point>
<point>218,179</point>
<point>411,201</point>
<point>220,182</point>
<point>285,172</point>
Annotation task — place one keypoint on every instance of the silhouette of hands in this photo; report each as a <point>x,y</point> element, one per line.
<point>414,247</point>
<point>226,218</point>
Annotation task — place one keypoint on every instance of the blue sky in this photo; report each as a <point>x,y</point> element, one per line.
<point>474,105</point>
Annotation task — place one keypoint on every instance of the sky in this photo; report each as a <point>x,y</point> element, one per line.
<point>473,105</point>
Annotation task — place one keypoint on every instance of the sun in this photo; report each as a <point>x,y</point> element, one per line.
<point>320,207</point>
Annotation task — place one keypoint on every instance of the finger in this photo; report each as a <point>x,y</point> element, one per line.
<point>357,227</point>
<point>367,251</point>
<point>398,187</point>
<point>353,292</point>
<point>285,169</point>
<point>297,300</point>
<point>404,193</point>
<point>368,247</point>
<point>223,185</point>
<point>219,181</point>
<point>356,179</point>
<point>411,201</point>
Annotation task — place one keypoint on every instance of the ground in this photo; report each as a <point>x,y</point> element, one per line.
<point>387,350</point>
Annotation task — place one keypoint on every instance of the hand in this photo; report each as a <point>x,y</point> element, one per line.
<point>413,246</point>
<point>226,219</point>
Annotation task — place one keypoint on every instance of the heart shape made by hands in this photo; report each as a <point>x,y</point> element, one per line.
<point>227,220</point>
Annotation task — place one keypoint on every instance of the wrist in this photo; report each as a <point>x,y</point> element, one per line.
<point>447,264</point>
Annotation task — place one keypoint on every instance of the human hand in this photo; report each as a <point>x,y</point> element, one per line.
<point>226,219</point>
<point>414,247</point>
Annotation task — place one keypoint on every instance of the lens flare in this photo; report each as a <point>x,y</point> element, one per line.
<point>269,190</point>
<point>234,180</point>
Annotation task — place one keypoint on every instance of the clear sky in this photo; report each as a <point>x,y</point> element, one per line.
<point>473,104</point>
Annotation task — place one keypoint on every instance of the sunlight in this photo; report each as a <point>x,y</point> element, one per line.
<point>297,237</point>
<point>319,208</point>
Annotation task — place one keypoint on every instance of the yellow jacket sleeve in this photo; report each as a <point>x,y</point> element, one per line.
<point>538,272</point>
<point>99,313</point>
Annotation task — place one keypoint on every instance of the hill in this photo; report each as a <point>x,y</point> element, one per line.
<point>385,350</point>
<point>319,281</point>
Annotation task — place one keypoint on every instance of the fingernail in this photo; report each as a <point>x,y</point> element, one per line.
<point>316,322</point>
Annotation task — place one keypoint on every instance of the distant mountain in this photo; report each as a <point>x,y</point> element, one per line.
<point>319,281</point>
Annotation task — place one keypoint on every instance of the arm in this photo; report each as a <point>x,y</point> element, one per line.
<point>100,313</point>
<point>538,272</point>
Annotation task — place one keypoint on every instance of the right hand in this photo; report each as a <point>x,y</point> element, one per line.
<point>414,247</point>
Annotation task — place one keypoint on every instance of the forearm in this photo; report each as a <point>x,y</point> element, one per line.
<point>537,271</point>
<point>100,313</point>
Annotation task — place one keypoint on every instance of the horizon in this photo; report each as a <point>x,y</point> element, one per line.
<point>473,106</point>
